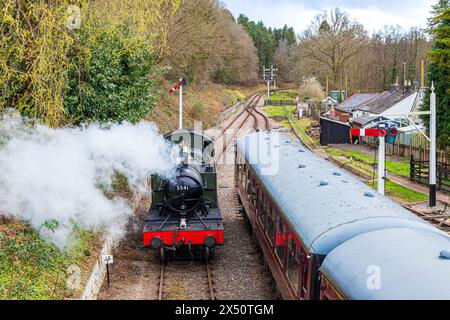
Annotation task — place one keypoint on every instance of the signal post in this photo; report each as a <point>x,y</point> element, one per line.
<point>383,134</point>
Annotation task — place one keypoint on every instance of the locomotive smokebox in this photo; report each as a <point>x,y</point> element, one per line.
<point>184,193</point>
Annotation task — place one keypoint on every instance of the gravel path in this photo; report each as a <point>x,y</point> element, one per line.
<point>134,274</point>
<point>239,270</point>
<point>239,273</point>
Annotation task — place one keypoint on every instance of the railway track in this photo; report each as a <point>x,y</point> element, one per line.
<point>209,280</point>
<point>298,131</point>
<point>169,279</point>
<point>439,218</point>
<point>260,122</point>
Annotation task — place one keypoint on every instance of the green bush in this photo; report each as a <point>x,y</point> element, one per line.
<point>112,78</point>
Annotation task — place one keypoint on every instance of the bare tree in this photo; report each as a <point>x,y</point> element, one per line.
<point>282,59</point>
<point>332,40</point>
<point>205,43</point>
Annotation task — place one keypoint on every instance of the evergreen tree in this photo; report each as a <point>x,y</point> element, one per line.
<point>439,70</point>
<point>267,40</point>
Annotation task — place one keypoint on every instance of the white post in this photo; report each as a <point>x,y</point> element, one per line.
<point>433,147</point>
<point>381,165</point>
<point>180,123</point>
<point>268,89</point>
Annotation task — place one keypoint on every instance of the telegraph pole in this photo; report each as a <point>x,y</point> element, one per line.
<point>273,76</point>
<point>404,75</point>
<point>433,147</point>
<point>266,78</point>
<point>269,75</point>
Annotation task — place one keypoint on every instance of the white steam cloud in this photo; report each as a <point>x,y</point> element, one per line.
<point>56,173</point>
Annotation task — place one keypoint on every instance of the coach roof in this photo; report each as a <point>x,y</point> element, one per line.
<point>391,264</point>
<point>326,205</point>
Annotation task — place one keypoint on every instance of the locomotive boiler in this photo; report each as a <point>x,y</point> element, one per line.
<point>184,218</point>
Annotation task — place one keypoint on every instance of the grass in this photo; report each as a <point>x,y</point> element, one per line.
<point>31,268</point>
<point>286,124</point>
<point>364,162</point>
<point>284,95</point>
<point>233,96</point>
<point>302,126</point>
<point>277,111</point>
<point>401,193</point>
<point>304,123</point>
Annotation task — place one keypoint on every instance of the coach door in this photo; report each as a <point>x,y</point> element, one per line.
<point>304,274</point>
<point>293,264</point>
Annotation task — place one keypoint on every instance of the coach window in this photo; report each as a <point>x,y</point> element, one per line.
<point>262,208</point>
<point>281,241</point>
<point>270,231</point>
<point>253,194</point>
<point>248,181</point>
<point>293,264</point>
<point>243,176</point>
<point>260,201</point>
<point>251,189</point>
<point>267,211</point>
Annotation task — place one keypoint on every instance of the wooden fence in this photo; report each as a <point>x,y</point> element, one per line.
<point>420,172</point>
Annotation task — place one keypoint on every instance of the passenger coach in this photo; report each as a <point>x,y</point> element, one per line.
<point>324,233</point>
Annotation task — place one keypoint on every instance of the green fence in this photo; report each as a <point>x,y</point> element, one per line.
<point>280,103</point>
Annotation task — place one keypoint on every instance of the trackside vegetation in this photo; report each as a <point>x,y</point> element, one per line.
<point>34,269</point>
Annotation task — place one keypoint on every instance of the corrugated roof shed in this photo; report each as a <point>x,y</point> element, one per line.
<point>384,101</point>
<point>357,100</point>
<point>404,106</point>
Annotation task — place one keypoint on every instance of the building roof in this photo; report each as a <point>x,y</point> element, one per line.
<point>357,100</point>
<point>327,99</point>
<point>384,101</point>
<point>406,261</point>
<point>403,107</point>
<point>325,205</point>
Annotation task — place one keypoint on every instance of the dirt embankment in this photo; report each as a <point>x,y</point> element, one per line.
<point>203,104</point>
